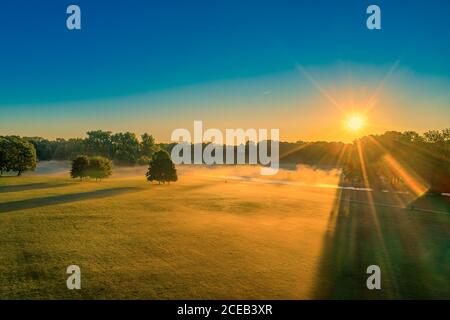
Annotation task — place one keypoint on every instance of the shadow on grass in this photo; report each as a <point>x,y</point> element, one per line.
<point>47,201</point>
<point>31,186</point>
<point>412,250</point>
<point>431,203</point>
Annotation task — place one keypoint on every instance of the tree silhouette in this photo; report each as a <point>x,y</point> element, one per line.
<point>148,146</point>
<point>161,168</point>
<point>16,154</point>
<point>80,166</point>
<point>125,148</point>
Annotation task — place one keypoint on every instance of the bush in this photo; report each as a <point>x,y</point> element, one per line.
<point>93,167</point>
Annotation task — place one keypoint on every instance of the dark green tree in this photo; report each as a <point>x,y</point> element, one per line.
<point>99,143</point>
<point>161,168</point>
<point>125,148</point>
<point>45,149</point>
<point>144,160</point>
<point>3,155</point>
<point>99,168</point>
<point>80,167</point>
<point>148,146</point>
<point>75,146</point>
<point>61,149</point>
<point>20,155</point>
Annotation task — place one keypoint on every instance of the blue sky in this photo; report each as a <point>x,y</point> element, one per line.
<point>171,59</point>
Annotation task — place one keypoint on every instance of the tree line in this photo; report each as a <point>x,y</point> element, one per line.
<point>380,161</point>
<point>399,160</point>
<point>122,148</point>
<point>127,149</point>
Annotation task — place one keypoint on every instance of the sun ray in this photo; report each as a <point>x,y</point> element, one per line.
<point>373,212</point>
<point>323,92</point>
<point>412,180</point>
<point>300,147</point>
<point>371,102</point>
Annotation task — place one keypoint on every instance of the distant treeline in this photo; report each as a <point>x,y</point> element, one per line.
<point>399,160</point>
<point>391,160</point>
<point>127,149</point>
<point>123,148</point>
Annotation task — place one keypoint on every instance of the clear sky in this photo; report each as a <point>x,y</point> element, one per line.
<point>154,66</point>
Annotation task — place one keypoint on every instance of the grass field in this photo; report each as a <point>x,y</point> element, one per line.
<point>215,236</point>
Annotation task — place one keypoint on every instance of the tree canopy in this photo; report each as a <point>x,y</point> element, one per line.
<point>161,168</point>
<point>400,160</point>
<point>16,154</point>
<point>93,167</point>
<point>122,148</point>
<point>80,167</point>
<point>99,168</point>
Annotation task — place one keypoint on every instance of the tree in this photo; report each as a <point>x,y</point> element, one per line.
<point>446,135</point>
<point>125,148</point>
<point>433,136</point>
<point>45,149</point>
<point>75,146</point>
<point>99,168</point>
<point>412,136</point>
<point>161,168</point>
<point>80,167</point>
<point>61,149</point>
<point>98,143</point>
<point>19,155</point>
<point>122,148</point>
<point>144,160</point>
<point>3,155</point>
<point>147,145</point>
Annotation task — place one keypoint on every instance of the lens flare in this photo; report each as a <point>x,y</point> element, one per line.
<point>355,123</point>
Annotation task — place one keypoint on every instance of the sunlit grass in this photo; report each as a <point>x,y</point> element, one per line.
<point>199,238</point>
<point>214,237</point>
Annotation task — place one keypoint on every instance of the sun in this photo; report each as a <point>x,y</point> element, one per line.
<point>355,123</point>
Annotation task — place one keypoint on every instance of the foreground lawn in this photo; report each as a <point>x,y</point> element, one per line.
<point>213,239</point>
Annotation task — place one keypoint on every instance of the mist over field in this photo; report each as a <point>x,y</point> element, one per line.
<point>300,174</point>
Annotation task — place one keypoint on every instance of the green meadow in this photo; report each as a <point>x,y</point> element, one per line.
<point>218,234</point>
